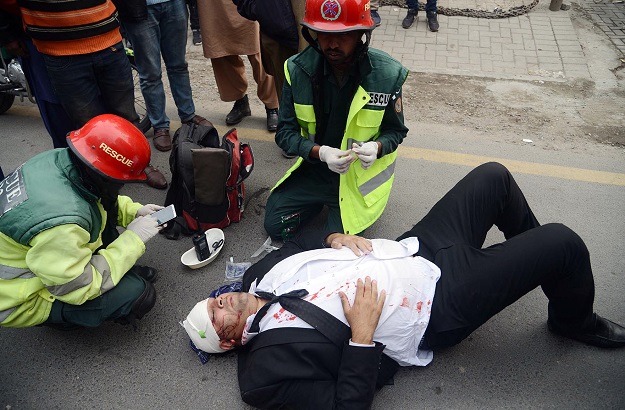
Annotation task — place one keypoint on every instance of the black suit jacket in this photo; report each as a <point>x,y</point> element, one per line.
<point>295,368</point>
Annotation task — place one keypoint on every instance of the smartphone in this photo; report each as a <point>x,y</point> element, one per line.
<point>165,215</point>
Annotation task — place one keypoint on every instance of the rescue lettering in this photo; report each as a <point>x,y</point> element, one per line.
<point>11,186</point>
<point>379,99</point>
<point>119,157</point>
<point>12,191</point>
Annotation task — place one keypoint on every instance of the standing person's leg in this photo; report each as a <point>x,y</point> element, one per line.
<point>432,17</point>
<point>411,15</point>
<point>476,284</point>
<point>194,18</point>
<point>487,196</point>
<point>266,91</point>
<point>273,56</point>
<point>229,74</point>
<point>173,47</point>
<point>115,83</point>
<point>194,21</point>
<point>375,5</point>
<point>54,117</point>
<point>145,37</point>
<point>299,9</point>
<point>75,85</point>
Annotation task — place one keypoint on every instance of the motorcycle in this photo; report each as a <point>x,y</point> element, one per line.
<point>13,84</point>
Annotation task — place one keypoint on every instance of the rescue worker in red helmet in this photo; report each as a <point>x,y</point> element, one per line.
<point>62,261</point>
<point>341,113</point>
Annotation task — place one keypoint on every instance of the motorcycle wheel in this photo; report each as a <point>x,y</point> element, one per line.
<point>6,101</point>
<point>144,121</point>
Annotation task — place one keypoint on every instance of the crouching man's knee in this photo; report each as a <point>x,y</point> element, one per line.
<point>143,296</point>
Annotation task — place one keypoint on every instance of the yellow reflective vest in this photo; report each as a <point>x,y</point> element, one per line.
<point>363,194</point>
<point>50,230</point>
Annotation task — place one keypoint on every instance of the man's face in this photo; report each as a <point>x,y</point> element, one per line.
<point>228,313</point>
<point>338,48</point>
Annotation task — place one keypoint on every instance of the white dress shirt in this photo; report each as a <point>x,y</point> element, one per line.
<point>409,282</point>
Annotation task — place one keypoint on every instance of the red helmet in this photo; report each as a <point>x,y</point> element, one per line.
<point>338,16</point>
<point>113,147</point>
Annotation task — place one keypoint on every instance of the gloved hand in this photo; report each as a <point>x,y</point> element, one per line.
<point>338,161</point>
<point>367,153</point>
<point>148,209</point>
<point>145,227</point>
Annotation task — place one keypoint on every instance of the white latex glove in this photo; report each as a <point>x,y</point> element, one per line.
<point>145,227</point>
<point>338,161</point>
<point>367,153</point>
<point>148,209</point>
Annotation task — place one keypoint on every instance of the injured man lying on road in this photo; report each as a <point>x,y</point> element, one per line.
<point>328,318</point>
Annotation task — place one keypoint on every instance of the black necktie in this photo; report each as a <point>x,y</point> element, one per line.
<point>331,327</point>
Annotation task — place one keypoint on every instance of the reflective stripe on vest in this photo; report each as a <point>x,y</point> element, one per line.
<point>6,313</point>
<point>377,181</point>
<point>86,277</point>
<point>9,272</point>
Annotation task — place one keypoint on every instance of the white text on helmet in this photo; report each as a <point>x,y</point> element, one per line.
<point>115,154</point>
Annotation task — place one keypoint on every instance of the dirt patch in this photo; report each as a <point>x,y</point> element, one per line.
<point>548,110</point>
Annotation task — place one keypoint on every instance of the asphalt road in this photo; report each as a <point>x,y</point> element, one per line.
<point>511,362</point>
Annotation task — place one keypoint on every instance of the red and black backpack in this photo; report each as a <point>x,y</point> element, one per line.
<point>207,187</point>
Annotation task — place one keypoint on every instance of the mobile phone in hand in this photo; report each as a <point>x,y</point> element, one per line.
<point>164,215</point>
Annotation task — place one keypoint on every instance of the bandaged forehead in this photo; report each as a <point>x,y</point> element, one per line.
<point>200,329</point>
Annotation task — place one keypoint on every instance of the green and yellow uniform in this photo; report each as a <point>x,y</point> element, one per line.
<point>366,105</point>
<point>51,245</point>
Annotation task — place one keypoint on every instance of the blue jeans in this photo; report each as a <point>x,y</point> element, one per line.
<point>88,85</point>
<point>164,33</point>
<point>430,5</point>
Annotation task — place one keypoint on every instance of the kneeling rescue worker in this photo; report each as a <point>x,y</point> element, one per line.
<point>62,261</point>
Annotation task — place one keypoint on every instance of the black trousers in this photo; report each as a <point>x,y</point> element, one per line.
<point>194,18</point>
<point>476,283</point>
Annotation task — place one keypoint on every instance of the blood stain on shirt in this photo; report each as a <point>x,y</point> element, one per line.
<point>405,302</point>
<point>315,295</point>
<point>279,313</point>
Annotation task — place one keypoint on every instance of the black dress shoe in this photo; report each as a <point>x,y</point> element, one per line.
<point>410,18</point>
<point>603,333</point>
<point>240,110</point>
<point>432,20</point>
<point>272,119</point>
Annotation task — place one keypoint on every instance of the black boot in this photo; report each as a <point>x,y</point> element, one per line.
<point>145,272</point>
<point>410,18</point>
<point>240,110</point>
<point>432,20</point>
<point>272,119</point>
<point>144,303</point>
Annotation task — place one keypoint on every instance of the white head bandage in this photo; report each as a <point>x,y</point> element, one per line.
<point>200,329</point>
